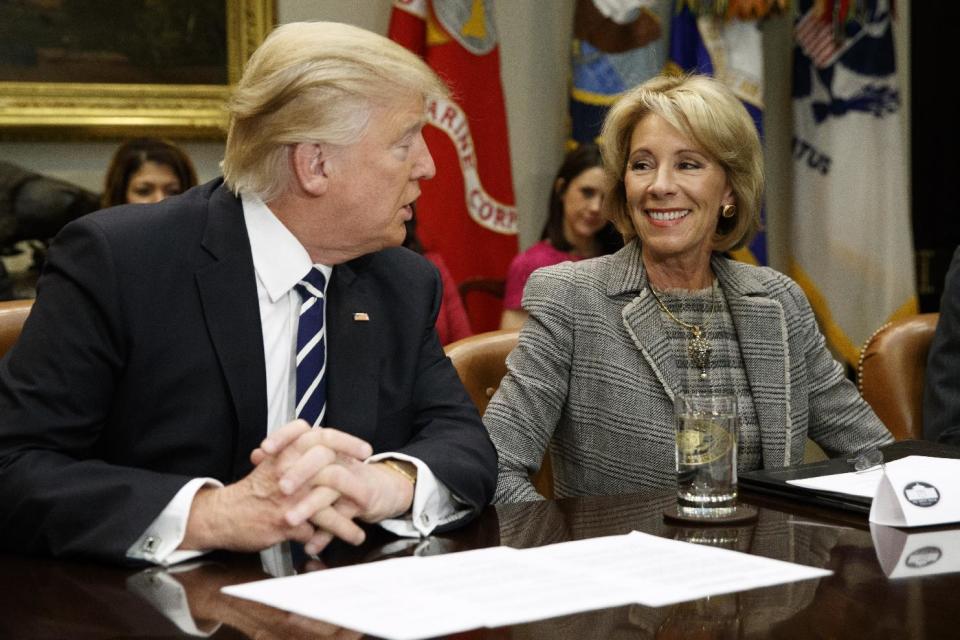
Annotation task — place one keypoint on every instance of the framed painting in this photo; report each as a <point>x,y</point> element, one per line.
<point>85,69</point>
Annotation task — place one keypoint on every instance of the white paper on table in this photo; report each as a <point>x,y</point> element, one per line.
<point>904,555</point>
<point>656,571</point>
<point>383,599</point>
<point>522,589</point>
<point>918,491</point>
<point>854,483</point>
<point>453,592</point>
<point>419,597</point>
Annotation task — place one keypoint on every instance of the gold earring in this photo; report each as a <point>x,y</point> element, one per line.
<point>728,210</point>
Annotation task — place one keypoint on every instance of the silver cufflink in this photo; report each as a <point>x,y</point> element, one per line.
<point>150,544</point>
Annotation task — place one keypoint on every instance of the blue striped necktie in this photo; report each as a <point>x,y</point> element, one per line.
<point>311,349</point>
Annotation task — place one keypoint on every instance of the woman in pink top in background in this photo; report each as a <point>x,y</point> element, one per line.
<point>575,228</point>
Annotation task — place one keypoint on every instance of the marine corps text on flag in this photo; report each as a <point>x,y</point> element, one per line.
<point>467,213</point>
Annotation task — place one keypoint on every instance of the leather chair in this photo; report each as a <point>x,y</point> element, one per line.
<point>892,368</point>
<point>481,362</point>
<point>13,313</point>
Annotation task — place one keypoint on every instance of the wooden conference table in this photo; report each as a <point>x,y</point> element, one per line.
<point>43,598</point>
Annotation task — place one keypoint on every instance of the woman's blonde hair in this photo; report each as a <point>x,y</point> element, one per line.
<point>710,115</point>
<point>313,82</point>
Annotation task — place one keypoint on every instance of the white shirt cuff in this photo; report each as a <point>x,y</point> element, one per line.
<point>159,542</point>
<point>433,503</point>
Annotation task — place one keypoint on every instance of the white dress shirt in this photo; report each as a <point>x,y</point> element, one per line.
<point>280,261</point>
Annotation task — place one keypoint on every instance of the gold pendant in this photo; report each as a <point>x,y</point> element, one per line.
<point>699,349</point>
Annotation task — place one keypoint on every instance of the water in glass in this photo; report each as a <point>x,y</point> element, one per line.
<point>706,456</point>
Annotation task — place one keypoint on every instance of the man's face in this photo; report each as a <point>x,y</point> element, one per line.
<point>374,181</point>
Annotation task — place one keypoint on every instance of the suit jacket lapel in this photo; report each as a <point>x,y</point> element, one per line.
<point>641,316</point>
<point>762,334</point>
<point>228,295</point>
<point>352,366</point>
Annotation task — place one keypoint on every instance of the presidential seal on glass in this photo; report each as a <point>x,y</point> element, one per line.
<point>706,428</point>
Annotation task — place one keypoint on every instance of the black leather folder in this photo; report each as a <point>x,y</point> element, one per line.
<point>774,481</point>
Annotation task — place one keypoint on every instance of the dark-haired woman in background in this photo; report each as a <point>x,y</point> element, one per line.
<point>147,170</point>
<point>575,227</point>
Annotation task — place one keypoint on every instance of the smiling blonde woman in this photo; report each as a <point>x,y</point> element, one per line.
<point>612,340</point>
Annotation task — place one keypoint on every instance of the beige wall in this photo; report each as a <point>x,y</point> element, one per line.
<point>534,37</point>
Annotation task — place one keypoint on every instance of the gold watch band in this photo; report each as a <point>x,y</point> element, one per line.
<point>407,469</point>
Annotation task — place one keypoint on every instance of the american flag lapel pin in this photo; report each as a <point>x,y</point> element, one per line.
<point>361,316</point>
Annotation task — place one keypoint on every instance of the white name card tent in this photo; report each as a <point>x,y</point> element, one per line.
<point>918,491</point>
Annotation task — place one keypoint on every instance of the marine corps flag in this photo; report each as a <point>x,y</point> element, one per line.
<point>851,234</point>
<point>467,212</point>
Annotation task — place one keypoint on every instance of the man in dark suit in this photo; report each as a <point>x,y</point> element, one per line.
<point>147,412</point>
<point>941,391</point>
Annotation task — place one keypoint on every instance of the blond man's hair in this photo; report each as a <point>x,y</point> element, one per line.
<point>314,82</point>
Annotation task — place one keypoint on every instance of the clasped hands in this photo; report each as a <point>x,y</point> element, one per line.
<point>307,485</point>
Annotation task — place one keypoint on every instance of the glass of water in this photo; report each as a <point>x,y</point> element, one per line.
<point>706,428</point>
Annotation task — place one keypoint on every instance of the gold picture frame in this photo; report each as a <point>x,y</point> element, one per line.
<point>61,110</point>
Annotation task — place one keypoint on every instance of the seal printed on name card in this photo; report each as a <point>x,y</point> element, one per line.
<point>921,494</point>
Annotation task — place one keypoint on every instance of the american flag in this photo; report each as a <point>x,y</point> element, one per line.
<point>816,39</point>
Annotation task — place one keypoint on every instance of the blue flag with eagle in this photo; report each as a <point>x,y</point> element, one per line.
<point>851,244</point>
<point>617,44</point>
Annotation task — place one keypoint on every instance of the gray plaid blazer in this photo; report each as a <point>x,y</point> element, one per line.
<point>593,377</point>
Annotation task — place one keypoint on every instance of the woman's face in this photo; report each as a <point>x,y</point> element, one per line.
<point>674,192</point>
<point>152,182</point>
<point>582,200</point>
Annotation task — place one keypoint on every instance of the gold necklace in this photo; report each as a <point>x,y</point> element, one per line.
<point>698,346</point>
